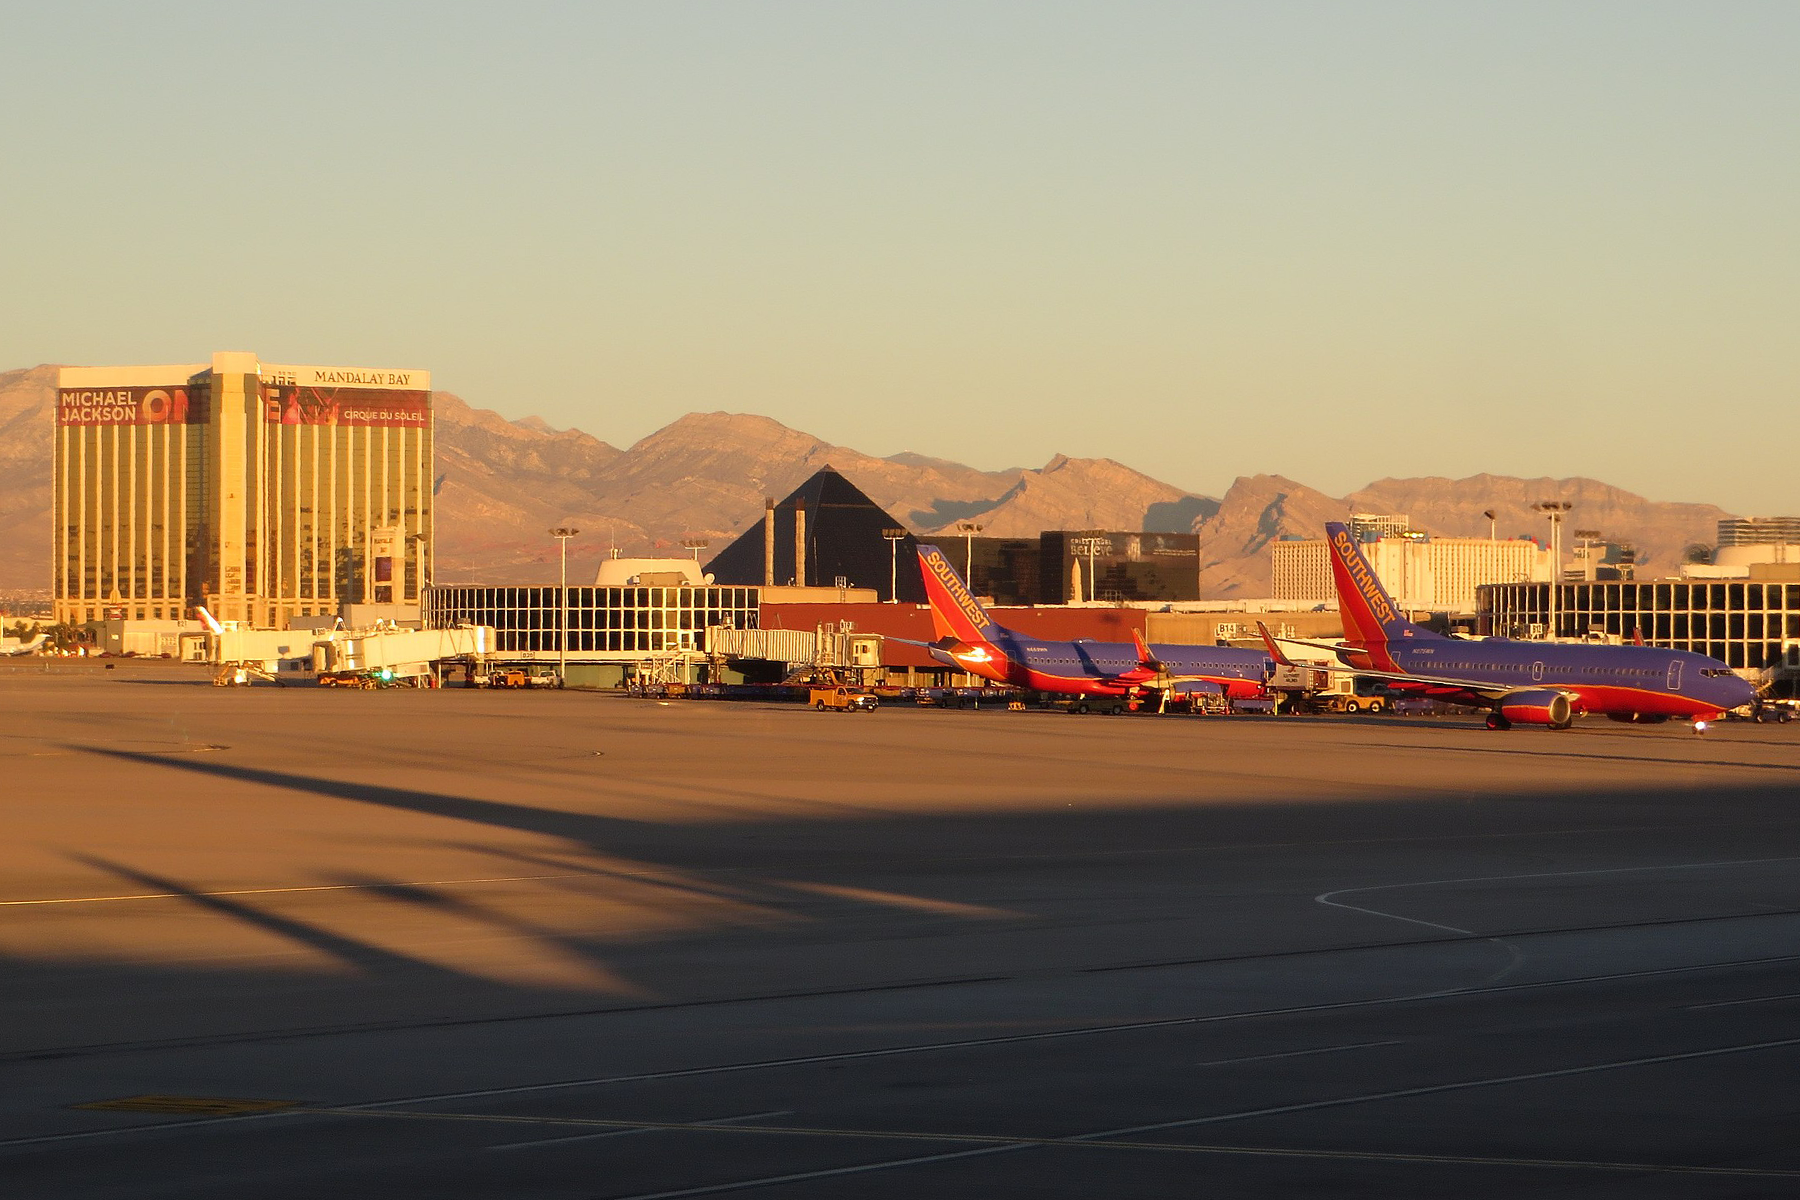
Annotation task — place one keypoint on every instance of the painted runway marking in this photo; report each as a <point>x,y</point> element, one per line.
<point>1375,912</point>
<point>279,891</point>
<point>1325,898</point>
<point>846,1056</point>
<point>612,1133</point>
<point>220,1106</point>
<point>1005,1145</point>
<point>894,1051</point>
<point>1749,1000</point>
<point>1095,1140</point>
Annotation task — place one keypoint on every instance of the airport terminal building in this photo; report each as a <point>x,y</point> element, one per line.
<point>1749,624</point>
<point>262,491</point>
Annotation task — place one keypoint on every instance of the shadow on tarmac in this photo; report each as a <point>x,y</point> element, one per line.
<point>847,900</point>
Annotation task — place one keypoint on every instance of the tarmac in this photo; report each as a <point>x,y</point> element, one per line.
<point>293,942</point>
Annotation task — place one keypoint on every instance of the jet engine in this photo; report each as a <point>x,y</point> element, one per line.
<point>1538,706</point>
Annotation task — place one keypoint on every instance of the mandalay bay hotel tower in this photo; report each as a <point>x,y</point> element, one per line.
<point>263,492</point>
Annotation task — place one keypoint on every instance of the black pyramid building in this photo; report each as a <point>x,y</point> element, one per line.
<point>840,537</point>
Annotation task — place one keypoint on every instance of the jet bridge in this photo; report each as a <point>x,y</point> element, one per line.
<point>239,655</point>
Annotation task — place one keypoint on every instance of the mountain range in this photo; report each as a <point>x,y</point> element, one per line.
<point>502,483</point>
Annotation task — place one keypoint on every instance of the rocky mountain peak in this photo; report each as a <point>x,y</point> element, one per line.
<point>502,483</point>
<point>1083,493</point>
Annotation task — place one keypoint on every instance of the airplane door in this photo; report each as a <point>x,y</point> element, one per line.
<point>1537,672</point>
<point>1675,676</point>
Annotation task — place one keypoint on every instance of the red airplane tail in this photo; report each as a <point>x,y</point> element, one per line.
<point>955,613</point>
<point>1371,618</point>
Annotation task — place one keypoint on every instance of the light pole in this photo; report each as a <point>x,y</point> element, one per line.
<point>969,529</point>
<point>894,537</point>
<point>696,545</point>
<point>421,544</point>
<point>1090,546</point>
<point>1493,518</point>
<point>1556,510</point>
<point>1410,541</point>
<point>562,534</point>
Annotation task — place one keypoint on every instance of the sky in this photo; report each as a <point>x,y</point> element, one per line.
<point>1335,241</point>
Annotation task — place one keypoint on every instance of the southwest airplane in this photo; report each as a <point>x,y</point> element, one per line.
<point>970,640</point>
<point>1531,683</point>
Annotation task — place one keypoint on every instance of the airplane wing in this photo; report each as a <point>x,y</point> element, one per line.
<point>1336,649</point>
<point>1330,647</point>
<point>949,650</point>
<point>1275,652</point>
<point>1480,687</point>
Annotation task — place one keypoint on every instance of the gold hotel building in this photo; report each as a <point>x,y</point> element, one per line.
<point>263,492</point>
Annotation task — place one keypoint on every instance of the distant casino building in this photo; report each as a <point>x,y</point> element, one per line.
<point>1438,574</point>
<point>1759,531</point>
<point>1062,566</point>
<point>1113,566</point>
<point>264,492</point>
<point>825,533</point>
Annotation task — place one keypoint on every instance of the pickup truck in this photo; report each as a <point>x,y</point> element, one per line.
<point>843,699</point>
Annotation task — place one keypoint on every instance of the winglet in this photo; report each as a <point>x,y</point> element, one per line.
<point>211,622</point>
<point>1281,660</point>
<point>1146,660</point>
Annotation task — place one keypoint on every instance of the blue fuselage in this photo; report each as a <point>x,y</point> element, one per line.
<point>1086,668</point>
<point>1605,679</point>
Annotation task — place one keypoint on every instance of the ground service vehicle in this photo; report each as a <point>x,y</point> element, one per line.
<point>1301,688</point>
<point>518,678</point>
<point>843,699</point>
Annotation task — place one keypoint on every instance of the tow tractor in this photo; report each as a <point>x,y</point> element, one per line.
<point>1766,712</point>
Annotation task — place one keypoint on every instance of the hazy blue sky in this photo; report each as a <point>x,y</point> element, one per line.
<point>1332,240</point>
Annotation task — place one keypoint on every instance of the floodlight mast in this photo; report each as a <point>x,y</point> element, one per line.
<point>562,534</point>
<point>1556,510</point>
<point>969,529</point>
<point>894,538</point>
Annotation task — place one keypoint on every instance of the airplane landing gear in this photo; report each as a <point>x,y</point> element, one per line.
<point>1496,721</point>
